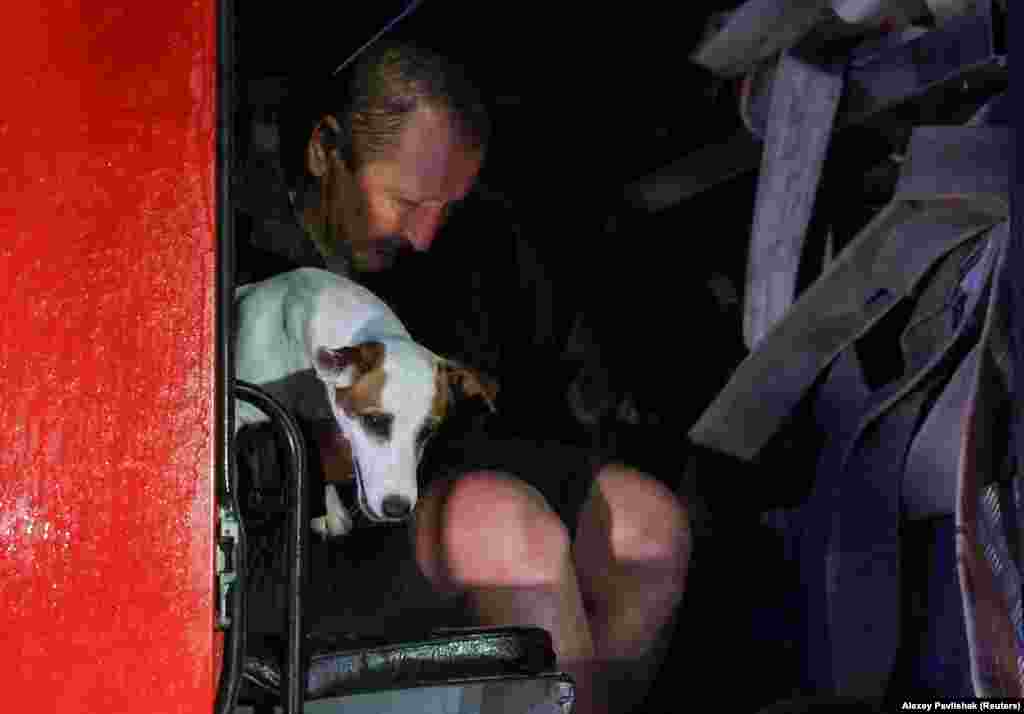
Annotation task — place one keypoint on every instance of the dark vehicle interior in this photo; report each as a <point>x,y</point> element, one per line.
<point>641,294</point>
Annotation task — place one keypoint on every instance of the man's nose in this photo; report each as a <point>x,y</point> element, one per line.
<point>423,227</point>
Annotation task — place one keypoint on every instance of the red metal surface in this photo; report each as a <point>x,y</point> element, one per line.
<point>107,145</point>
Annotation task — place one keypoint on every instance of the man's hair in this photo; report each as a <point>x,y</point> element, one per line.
<point>391,81</point>
<point>373,99</point>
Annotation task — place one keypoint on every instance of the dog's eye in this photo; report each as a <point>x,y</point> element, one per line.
<point>377,424</point>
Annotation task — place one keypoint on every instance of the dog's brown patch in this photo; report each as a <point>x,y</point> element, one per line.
<point>362,357</point>
<point>439,409</point>
<point>366,356</point>
<point>335,452</point>
<point>368,381</point>
<point>472,382</point>
<point>364,396</point>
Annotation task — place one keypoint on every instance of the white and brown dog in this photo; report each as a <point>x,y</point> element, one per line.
<point>309,333</point>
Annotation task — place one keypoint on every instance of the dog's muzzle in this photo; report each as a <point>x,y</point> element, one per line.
<point>395,506</point>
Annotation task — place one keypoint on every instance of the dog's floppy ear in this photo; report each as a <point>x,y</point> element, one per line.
<point>470,381</point>
<point>332,365</point>
<point>335,451</point>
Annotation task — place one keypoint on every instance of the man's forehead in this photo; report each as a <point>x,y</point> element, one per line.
<point>431,161</point>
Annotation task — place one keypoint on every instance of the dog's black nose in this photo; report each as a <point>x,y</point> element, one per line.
<point>396,506</point>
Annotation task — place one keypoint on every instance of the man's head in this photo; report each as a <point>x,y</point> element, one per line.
<point>388,165</point>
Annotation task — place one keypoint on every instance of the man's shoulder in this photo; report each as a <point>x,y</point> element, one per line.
<point>269,236</point>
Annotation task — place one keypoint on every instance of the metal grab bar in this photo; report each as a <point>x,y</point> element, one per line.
<point>298,528</point>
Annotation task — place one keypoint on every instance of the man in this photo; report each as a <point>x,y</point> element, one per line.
<point>495,524</point>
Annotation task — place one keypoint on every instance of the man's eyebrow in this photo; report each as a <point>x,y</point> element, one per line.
<point>404,193</point>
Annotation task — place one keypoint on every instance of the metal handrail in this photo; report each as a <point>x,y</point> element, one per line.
<point>298,527</point>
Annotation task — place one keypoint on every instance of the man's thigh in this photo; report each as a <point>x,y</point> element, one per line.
<point>562,473</point>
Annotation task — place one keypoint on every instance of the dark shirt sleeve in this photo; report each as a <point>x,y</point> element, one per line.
<point>268,238</point>
<point>485,296</point>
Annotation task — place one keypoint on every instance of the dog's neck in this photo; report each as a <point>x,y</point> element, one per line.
<point>366,319</point>
<point>382,328</point>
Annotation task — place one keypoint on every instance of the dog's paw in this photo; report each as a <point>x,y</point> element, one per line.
<point>339,524</point>
<point>329,527</point>
<point>319,526</point>
<point>338,520</point>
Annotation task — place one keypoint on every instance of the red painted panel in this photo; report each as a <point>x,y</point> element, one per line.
<point>107,145</point>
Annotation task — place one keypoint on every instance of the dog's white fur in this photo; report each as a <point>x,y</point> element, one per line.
<point>290,339</point>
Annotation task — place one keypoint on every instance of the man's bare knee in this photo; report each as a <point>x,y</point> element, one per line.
<point>649,524</point>
<point>499,531</point>
<point>426,534</point>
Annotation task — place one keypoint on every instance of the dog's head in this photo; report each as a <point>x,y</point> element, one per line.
<point>389,399</point>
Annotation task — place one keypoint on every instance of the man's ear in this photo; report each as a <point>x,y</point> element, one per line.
<point>471,382</point>
<point>322,142</point>
<point>341,365</point>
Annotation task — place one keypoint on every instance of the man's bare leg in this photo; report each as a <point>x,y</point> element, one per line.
<point>496,538</point>
<point>631,554</point>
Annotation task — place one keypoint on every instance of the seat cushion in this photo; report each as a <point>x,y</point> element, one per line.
<point>346,665</point>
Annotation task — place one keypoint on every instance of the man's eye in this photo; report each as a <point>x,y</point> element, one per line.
<point>377,424</point>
